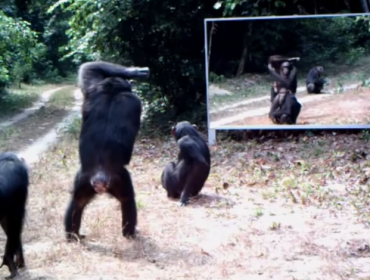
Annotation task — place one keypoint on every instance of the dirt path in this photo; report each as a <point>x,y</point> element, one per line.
<point>32,153</point>
<point>247,102</point>
<point>44,98</point>
<point>27,129</point>
<point>24,132</point>
<point>255,107</point>
<point>259,107</point>
<point>261,111</point>
<point>352,107</point>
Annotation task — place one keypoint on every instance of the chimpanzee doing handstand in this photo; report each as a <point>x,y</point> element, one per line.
<point>14,181</point>
<point>110,122</point>
<point>186,178</point>
<point>314,81</point>
<point>285,74</point>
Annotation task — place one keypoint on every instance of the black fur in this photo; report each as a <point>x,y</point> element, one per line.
<point>186,178</point>
<point>314,81</point>
<point>285,78</point>
<point>287,112</point>
<point>110,122</point>
<point>14,182</point>
<point>277,104</point>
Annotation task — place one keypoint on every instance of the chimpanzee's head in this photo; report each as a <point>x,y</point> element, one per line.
<point>320,69</point>
<point>286,67</point>
<point>184,128</point>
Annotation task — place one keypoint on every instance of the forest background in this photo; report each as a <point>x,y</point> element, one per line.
<point>45,41</point>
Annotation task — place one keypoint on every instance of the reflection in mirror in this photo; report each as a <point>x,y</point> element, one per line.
<point>284,72</point>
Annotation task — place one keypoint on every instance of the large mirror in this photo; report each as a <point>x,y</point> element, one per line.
<point>278,72</point>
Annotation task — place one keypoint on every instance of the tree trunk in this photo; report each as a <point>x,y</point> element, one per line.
<point>365,6</point>
<point>212,31</point>
<point>246,40</point>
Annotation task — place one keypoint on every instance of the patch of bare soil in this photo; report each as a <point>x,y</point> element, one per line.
<point>294,210</point>
<point>352,107</point>
<point>215,90</point>
<point>254,104</point>
<point>20,99</point>
<point>24,132</point>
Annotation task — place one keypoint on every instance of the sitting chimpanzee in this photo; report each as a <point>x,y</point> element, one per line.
<point>110,122</point>
<point>285,74</point>
<point>285,108</point>
<point>277,104</point>
<point>186,178</point>
<point>314,82</point>
<point>14,181</point>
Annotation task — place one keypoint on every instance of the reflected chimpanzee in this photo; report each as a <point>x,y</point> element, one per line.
<point>186,178</point>
<point>277,103</point>
<point>285,74</point>
<point>314,81</point>
<point>110,122</point>
<point>14,181</point>
<point>285,108</point>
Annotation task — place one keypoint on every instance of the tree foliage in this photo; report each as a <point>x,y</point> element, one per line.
<point>157,34</point>
<point>18,49</point>
<point>167,36</point>
<point>314,40</point>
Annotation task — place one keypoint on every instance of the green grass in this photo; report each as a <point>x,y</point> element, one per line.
<point>7,133</point>
<point>62,98</point>
<point>73,129</point>
<point>18,99</point>
<point>262,87</point>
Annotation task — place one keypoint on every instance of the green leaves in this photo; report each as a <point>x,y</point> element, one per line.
<point>249,7</point>
<point>278,4</point>
<point>163,35</point>
<point>17,44</point>
<point>61,3</point>
<point>217,5</point>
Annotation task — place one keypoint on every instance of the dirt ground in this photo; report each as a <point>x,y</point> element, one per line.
<point>296,210</point>
<point>23,98</point>
<point>350,107</point>
<point>292,210</point>
<point>26,131</point>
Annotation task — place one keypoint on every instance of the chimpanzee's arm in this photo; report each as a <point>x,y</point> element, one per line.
<point>94,72</point>
<point>285,82</point>
<point>278,113</point>
<point>190,149</point>
<point>278,101</point>
<point>293,80</point>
